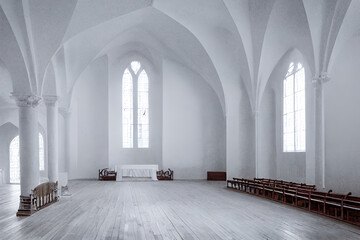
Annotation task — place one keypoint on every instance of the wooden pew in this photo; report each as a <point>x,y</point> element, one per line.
<point>44,195</point>
<point>339,206</point>
<point>281,182</point>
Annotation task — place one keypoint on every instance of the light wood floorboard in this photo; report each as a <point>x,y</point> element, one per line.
<point>164,210</point>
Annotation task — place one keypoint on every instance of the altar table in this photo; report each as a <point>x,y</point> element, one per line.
<point>137,171</point>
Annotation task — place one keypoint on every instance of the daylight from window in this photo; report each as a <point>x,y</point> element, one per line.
<point>294,132</point>
<point>135,106</point>
<point>14,153</point>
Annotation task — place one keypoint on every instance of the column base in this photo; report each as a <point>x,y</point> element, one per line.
<point>65,191</point>
<point>26,208</point>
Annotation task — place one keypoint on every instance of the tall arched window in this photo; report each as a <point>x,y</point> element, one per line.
<point>41,153</point>
<point>15,160</point>
<point>14,151</point>
<point>135,106</point>
<point>294,133</point>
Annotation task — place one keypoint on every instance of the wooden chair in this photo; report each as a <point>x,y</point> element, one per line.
<point>107,175</point>
<point>165,175</point>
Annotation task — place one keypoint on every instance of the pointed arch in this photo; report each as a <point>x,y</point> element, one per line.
<point>14,157</point>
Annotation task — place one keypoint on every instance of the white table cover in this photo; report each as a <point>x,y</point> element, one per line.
<point>137,171</point>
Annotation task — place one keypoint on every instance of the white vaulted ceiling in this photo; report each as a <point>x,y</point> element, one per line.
<point>46,45</point>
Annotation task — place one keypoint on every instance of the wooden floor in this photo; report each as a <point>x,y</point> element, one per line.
<point>164,210</point>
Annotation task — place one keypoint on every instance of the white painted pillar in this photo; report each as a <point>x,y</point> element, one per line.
<point>52,137</point>
<point>66,115</point>
<point>240,133</point>
<point>256,141</point>
<point>63,178</point>
<point>266,136</point>
<point>318,83</point>
<point>29,142</point>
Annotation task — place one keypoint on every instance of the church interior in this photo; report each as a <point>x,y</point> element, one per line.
<point>179,119</point>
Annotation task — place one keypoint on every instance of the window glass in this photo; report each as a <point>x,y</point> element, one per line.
<point>294,132</point>
<point>127,111</point>
<point>135,85</point>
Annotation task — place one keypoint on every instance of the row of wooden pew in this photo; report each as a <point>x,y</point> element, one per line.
<point>339,206</point>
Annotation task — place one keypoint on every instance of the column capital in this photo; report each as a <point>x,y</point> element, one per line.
<point>50,100</point>
<point>319,80</point>
<point>26,100</point>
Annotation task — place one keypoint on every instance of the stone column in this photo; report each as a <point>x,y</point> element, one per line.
<point>29,149</point>
<point>66,113</point>
<point>52,137</point>
<point>266,136</point>
<point>240,136</point>
<point>318,83</point>
<point>256,141</point>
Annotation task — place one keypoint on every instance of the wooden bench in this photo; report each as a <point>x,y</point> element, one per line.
<point>107,175</point>
<point>339,206</point>
<point>216,176</point>
<point>41,196</point>
<point>165,175</point>
<point>45,194</point>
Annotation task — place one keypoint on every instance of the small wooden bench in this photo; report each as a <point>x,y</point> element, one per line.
<point>165,175</point>
<point>45,194</point>
<point>41,196</point>
<point>216,176</point>
<point>107,175</point>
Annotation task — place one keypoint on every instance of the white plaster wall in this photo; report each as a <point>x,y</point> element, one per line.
<point>290,166</point>
<point>61,144</point>
<point>9,122</point>
<point>11,116</point>
<point>342,122</point>
<point>193,124</point>
<point>92,120</point>
<point>74,135</point>
<point>117,154</point>
<point>294,166</point>
<point>240,133</point>
<point>267,136</point>
<point>193,129</point>
<point>8,132</point>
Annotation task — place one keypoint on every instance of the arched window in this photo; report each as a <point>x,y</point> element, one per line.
<point>14,151</point>
<point>294,132</point>
<point>41,153</point>
<point>135,106</point>
<point>15,160</point>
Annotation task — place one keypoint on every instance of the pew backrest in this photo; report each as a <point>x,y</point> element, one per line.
<point>44,194</point>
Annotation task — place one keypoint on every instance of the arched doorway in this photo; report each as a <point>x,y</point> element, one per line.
<point>14,150</point>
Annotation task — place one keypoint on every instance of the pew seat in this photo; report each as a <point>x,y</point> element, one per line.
<point>339,206</point>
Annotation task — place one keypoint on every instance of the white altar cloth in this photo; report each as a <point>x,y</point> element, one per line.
<point>137,171</point>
